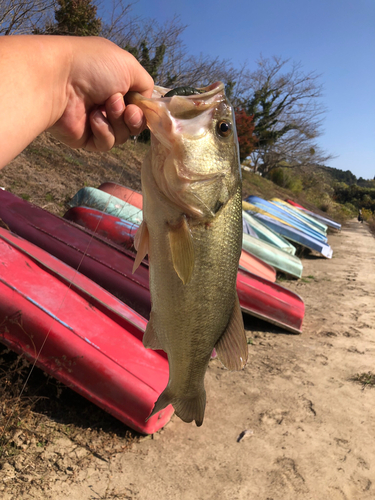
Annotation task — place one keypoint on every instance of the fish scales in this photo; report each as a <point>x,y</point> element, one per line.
<point>192,232</point>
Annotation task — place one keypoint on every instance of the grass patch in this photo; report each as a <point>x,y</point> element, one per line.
<point>40,151</point>
<point>72,161</point>
<point>281,278</point>
<point>50,198</point>
<point>308,279</point>
<point>366,379</point>
<point>14,407</point>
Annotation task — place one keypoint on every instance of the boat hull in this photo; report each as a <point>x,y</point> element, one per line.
<point>80,334</point>
<point>124,193</point>
<point>280,260</point>
<point>95,198</point>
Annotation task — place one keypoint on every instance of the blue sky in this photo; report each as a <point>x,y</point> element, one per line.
<point>335,38</point>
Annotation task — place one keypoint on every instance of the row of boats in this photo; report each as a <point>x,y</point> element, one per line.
<point>70,303</point>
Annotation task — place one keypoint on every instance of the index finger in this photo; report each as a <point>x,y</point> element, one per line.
<point>139,79</point>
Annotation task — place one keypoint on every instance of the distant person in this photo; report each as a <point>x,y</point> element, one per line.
<point>71,86</point>
<point>360,216</point>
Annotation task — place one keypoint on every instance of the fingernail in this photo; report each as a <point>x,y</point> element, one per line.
<point>98,117</point>
<point>118,106</point>
<point>134,120</point>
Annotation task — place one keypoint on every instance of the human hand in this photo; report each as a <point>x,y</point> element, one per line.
<point>93,114</point>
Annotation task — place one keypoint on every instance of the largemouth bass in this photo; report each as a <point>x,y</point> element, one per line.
<point>192,232</point>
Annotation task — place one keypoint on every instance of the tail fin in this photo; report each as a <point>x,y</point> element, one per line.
<point>188,409</point>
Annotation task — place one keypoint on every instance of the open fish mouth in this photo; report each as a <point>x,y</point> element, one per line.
<point>191,92</point>
<point>181,102</point>
<point>183,110</point>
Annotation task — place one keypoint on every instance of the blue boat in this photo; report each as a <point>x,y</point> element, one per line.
<point>329,222</point>
<point>268,235</point>
<point>247,227</point>
<point>301,216</point>
<point>296,236</point>
<point>287,218</point>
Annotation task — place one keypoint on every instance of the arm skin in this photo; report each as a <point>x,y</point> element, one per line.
<point>71,86</point>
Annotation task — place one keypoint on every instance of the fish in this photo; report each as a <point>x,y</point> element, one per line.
<point>192,234</point>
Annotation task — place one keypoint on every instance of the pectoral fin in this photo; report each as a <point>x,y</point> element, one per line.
<point>182,249</point>
<point>232,347</point>
<point>141,245</point>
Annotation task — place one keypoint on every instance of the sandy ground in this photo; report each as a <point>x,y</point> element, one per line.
<point>310,427</point>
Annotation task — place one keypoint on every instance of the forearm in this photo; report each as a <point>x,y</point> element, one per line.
<point>33,81</point>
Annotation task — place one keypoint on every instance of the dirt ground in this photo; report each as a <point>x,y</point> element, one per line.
<point>307,428</point>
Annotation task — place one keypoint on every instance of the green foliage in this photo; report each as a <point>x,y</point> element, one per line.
<point>151,64</point>
<point>342,176</point>
<point>356,195</point>
<point>266,107</point>
<point>75,18</point>
<point>287,179</point>
<point>229,90</point>
<point>366,183</point>
<point>367,214</point>
<point>366,379</point>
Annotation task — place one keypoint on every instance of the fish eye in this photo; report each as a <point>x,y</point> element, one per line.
<point>224,128</point>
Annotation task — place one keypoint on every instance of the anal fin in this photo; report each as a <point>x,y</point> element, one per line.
<point>182,249</point>
<point>150,339</point>
<point>231,348</point>
<point>141,244</point>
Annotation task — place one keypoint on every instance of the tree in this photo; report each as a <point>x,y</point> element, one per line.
<point>142,53</point>
<point>245,129</point>
<point>75,18</point>
<point>287,115</point>
<point>23,16</point>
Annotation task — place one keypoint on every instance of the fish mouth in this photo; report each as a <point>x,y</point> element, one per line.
<point>204,93</point>
<point>167,117</point>
<point>178,106</point>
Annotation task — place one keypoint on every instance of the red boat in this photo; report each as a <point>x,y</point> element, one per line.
<point>79,333</point>
<point>122,232</point>
<point>124,193</point>
<point>295,204</point>
<point>107,264</point>
<point>110,265</point>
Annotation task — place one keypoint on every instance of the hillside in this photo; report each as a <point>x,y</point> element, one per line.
<point>48,173</point>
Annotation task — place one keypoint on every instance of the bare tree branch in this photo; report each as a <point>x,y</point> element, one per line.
<point>23,16</point>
